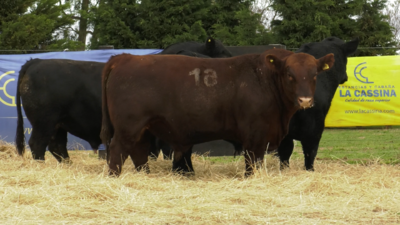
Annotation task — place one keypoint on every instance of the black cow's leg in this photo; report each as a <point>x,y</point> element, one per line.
<point>310,149</point>
<point>38,142</point>
<point>118,154</point>
<point>140,152</point>
<point>182,162</point>
<point>58,146</point>
<point>285,150</point>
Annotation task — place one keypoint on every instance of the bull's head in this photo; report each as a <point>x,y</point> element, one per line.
<point>298,73</point>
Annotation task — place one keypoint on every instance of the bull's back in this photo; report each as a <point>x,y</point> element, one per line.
<point>60,79</point>
<point>178,88</point>
<point>185,79</point>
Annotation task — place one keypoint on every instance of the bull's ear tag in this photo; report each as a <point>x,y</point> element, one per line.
<point>209,40</point>
<point>326,67</point>
<point>271,60</point>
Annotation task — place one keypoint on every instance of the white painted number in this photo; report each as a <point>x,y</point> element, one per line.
<point>210,77</point>
<point>196,73</point>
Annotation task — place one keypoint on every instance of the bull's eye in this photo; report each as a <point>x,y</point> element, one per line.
<point>290,76</point>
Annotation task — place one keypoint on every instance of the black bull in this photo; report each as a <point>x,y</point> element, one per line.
<point>59,96</point>
<point>308,125</point>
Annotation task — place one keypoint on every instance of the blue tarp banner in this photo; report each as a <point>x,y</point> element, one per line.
<point>9,70</point>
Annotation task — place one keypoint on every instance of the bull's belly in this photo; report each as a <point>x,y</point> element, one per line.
<point>186,134</point>
<point>88,131</point>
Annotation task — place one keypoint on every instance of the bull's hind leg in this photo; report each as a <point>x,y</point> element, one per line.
<point>140,151</point>
<point>118,154</point>
<point>58,146</point>
<point>182,162</point>
<point>38,142</point>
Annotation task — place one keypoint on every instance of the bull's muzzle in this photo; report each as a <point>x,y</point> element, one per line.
<point>305,102</point>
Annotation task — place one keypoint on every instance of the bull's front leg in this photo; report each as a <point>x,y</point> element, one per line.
<point>285,150</point>
<point>254,159</point>
<point>310,149</point>
<point>182,162</point>
<point>255,144</point>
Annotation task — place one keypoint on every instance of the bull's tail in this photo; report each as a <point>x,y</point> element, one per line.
<point>20,136</point>
<point>107,129</point>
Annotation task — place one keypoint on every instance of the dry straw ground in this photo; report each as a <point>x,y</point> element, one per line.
<point>81,193</point>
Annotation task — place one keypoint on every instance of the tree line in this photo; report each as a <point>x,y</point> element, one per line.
<point>88,24</point>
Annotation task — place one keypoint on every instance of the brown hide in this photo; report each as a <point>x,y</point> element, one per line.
<point>184,101</point>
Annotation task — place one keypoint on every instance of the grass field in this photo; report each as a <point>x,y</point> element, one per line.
<point>355,182</point>
<point>359,145</point>
<point>352,146</point>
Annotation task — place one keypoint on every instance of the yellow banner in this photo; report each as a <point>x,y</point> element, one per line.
<point>371,96</point>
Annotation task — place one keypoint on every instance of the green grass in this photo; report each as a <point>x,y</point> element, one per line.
<point>361,145</point>
<point>351,146</point>
<point>223,159</point>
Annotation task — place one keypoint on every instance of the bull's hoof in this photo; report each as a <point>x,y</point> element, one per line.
<point>188,174</point>
<point>40,160</point>
<point>248,174</point>
<point>310,169</point>
<point>185,173</point>
<point>114,170</point>
<point>283,166</point>
<point>67,161</point>
<point>183,170</point>
<point>182,167</point>
<point>113,173</point>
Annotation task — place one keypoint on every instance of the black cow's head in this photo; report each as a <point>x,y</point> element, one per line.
<point>348,48</point>
<point>298,74</point>
<point>339,48</point>
<point>215,49</point>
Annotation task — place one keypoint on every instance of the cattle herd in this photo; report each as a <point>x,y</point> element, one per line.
<point>190,93</point>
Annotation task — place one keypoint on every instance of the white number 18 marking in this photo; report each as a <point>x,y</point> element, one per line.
<point>210,77</point>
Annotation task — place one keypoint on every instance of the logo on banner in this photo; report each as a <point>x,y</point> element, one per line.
<point>367,90</point>
<point>359,76</point>
<point>11,99</point>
